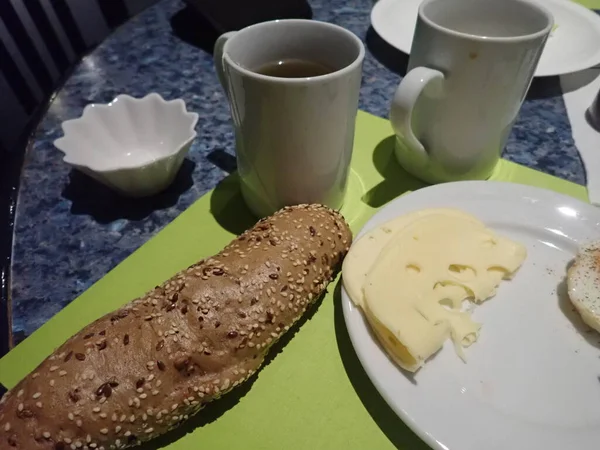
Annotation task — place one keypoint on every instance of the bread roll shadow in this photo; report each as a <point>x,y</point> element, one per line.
<point>214,410</point>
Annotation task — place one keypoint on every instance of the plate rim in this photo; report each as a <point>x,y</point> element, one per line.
<point>589,14</point>
<point>471,186</point>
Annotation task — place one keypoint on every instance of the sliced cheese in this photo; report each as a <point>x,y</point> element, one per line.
<point>411,276</point>
<point>364,251</point>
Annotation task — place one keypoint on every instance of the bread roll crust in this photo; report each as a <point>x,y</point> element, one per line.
<point>140,371</point>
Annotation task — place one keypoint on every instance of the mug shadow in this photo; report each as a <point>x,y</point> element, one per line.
<point>214,410</point>
<point>386,54</point>
<point>223,160</point>
<point>386,419</point>
<point>228,207</point>
<point>396,180</point>
<point>90,197</point>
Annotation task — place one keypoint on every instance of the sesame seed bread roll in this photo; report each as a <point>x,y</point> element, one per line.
<point>140,371</point>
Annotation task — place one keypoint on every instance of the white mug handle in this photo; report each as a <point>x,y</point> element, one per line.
<point>407,94</point>
<point>218,56</point>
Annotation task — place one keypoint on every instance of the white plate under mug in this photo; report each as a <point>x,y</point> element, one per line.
<point>572,46</point>
<point>532,380</point>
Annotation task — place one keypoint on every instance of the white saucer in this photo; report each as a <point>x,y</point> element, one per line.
<point>573,46</point>
<point>531,381</point>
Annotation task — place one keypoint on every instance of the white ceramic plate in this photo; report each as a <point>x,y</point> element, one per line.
<point>573,46</point>
<point>532,380</point>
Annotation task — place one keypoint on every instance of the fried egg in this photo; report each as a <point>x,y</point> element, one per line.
<point>583,282</point>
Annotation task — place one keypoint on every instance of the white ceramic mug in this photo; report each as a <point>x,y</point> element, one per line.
<point>294,136</point>
<point>470,67</point>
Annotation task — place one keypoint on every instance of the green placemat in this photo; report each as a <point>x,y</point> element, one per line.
<point>313,393</point>
<point>592,4</point>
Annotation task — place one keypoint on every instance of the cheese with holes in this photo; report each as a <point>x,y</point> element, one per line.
<point>411,275</point>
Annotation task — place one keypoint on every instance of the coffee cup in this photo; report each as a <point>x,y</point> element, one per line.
<point>471,64</point>
<point>292,87</point>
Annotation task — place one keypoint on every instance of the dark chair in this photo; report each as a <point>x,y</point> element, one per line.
<point>40,42</point>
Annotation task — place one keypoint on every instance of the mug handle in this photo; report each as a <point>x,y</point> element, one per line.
<point>407,94</point>
<point>218,56</point>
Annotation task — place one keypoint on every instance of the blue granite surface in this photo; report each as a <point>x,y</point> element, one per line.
<point>70,232</point>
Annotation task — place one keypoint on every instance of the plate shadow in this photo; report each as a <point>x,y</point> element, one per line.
<point>388,55</point>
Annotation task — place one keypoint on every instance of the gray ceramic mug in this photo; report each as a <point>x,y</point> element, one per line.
<point>294,136</point>
<point>471,64</point>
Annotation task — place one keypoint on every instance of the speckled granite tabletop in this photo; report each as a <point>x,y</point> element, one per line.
<point>70,231</point>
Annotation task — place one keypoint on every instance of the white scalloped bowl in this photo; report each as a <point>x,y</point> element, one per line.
<point>135,146</point>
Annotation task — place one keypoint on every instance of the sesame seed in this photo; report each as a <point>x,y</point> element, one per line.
<point>62,373</point>
<point>149,430</point>
<point>174,406</point>
<point>132,418</point>
<point>37,395</point>
<point>118,429</point>
<point>96,409</point>
<point>104,431</point>
<point>71,416</point>
<point>122,418</point>
<point>143,396</point>
<point>7,426</point>
<point>79,423</point>
<point>103,415</point>
<point>46,434</point>
<point>35,375</point>
<point>39,404</point>
<point>20,393</point>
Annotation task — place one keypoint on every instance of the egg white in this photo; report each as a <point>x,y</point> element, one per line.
<point>583,282</point>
